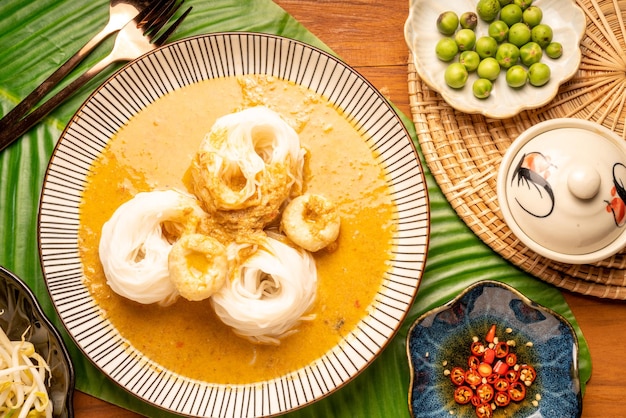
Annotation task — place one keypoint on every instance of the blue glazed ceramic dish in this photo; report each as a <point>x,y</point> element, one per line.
<point>441,339</point>
<point>20,313</point>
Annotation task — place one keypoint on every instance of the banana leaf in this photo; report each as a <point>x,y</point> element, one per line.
<point>37,36</point>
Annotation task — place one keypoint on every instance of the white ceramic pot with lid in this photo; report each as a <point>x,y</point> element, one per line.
<point>562,190</point>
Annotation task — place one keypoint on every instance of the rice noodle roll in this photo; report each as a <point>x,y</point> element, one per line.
<point>137,239</point>
<point>269,293</point>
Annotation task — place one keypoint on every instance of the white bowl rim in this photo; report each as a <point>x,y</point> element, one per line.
<point>250,53</point>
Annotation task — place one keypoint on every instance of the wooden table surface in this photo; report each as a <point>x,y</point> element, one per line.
<point>368,35</point>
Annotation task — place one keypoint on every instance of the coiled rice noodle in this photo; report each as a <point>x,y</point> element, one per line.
<point>134,247</point>
<point>250,158</point>
<point>269,293</point>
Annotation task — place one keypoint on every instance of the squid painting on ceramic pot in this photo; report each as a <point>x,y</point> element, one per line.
<point>532,173</point>
<point>617,205</point>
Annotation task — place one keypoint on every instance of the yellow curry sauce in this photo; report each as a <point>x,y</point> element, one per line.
<point>154,151</point>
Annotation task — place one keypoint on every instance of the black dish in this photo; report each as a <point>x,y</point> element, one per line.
<point>19,311</point>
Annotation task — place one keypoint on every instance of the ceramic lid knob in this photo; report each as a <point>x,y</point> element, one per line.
<point>584,182</point>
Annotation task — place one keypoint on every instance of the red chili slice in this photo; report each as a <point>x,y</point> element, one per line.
<point>485,392</point>
<point>502,399</point>
<point>517,391</point>
<point>473,362</point>
<point>472,377</point>
<point>484,369</point>
<point>484,411</point>
<point>502,349</point>
<point>512,375</point>
<point>457,375</point>
<point>527,374</point>
<point>489,356</point>
<point>477,348</point>
<point>491,379</point>
<point>501,385</point>
<point>511,359</point>
<point>500,368</point>
<point>491,334</point>
<point>463,395</point>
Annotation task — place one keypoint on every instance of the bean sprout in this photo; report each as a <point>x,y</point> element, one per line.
<point>23,390</point>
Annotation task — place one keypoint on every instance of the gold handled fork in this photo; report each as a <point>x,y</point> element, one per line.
<point>136,38</point>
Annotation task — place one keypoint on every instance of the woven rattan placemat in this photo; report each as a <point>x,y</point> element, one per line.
<point>464,151</point>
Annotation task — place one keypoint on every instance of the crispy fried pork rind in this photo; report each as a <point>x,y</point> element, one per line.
<point>198,266</point>
<point>247,165</point>
<point>311,221</point>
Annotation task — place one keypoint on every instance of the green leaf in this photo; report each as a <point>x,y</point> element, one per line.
<point>44,33</point>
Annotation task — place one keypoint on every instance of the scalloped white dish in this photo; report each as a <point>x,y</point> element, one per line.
<point>138,85</point>
<point>564,16</point>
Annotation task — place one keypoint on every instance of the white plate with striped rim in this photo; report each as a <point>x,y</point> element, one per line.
<point>142,82</point>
